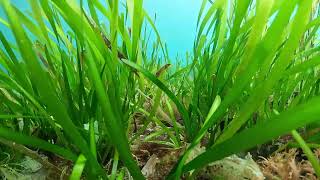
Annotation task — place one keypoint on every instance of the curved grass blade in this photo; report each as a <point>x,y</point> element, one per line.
<point>307,151</point>
<point>36,143</point>
<point>203,5</point>
<point>263,90</point>
<point>303,66</point>
<point>78,168</point>
<point>261,133</point>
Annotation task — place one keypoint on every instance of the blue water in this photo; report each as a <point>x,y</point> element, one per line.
<point>176,22</point>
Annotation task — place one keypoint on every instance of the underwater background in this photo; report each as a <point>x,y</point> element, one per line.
<point>159,89</point>
<point>176,22</point>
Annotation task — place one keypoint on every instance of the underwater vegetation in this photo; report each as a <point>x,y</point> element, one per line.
<point>86,96</point>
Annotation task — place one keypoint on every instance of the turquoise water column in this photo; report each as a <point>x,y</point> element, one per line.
<point>176,22</point>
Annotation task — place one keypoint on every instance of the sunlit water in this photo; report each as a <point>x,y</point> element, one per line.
<point>176,22</point>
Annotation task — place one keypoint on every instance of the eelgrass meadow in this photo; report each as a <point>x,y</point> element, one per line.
<point>85,90</point>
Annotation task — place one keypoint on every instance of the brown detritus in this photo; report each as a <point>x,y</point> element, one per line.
<point>161,114</point>
<point>162,69</point>
<point>106,41</point>
<point>288,165</point>
<point>162,157</point>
